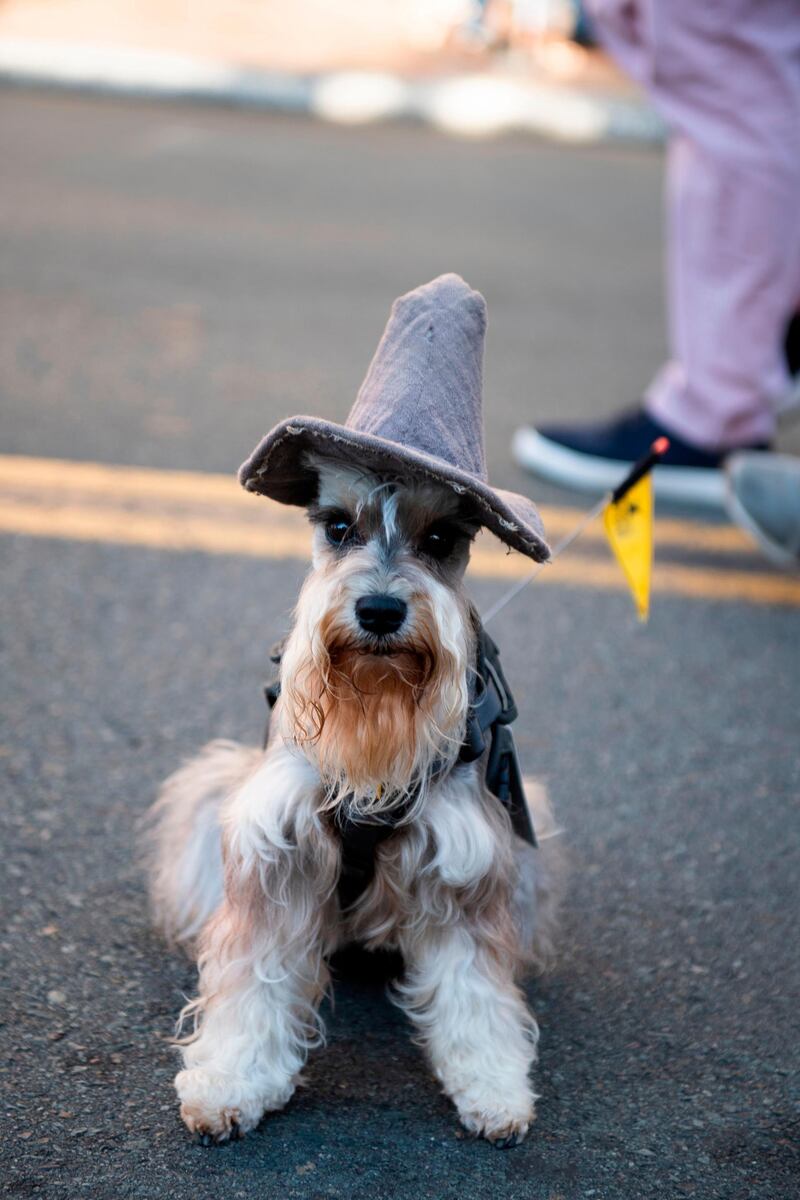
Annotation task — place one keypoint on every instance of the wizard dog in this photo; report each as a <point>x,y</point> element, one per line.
<point>386,807</point>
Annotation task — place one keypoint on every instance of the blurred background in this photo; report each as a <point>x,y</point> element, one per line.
<point>182,260</point>
<point>411,36</point>
<point>206,211</point>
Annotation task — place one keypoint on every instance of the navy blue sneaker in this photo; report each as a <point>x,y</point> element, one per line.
<point>791,346</point>
<point>594,458</point>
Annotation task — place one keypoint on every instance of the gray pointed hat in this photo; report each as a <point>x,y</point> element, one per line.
<point>419,411</point>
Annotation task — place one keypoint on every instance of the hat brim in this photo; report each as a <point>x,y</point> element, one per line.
<point>277,469</point>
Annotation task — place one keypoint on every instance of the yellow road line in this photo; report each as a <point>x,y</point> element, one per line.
<point>39,474</point>
<point>21,476</point>
<point>160,531</point>
<point>185,531</point>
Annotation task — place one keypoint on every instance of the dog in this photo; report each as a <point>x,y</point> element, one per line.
<point>249,859</point>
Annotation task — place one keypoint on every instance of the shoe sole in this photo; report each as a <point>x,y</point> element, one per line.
<point>773,551</point>
<point>703,486</point>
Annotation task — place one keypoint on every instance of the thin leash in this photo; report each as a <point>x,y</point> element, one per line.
<point>637,472</point>
<point>561,546</point>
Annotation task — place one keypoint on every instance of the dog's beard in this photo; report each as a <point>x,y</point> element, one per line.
<point>377,724</point>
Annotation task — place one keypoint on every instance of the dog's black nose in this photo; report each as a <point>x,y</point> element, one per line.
<point>381,614</point>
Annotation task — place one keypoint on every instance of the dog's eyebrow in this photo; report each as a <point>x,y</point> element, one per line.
<point>319,514</point>
<point>462,525</point>
<point>469,526</point>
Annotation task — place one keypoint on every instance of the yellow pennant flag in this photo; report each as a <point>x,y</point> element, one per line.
<point>628,524</point>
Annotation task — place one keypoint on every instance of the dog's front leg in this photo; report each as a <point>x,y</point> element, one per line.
<point>256,1022</point>
<point>262,971</point>
<point>476,1027</point>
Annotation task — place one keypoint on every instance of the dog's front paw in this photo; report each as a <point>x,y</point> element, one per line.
<point>217,1108</point>
<point>501,1123</point>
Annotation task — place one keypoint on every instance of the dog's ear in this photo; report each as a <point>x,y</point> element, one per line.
<point>323,467</point>
<point>470,522</point>
<point>318,467</point>
<point>304,488</point>
<point>469,513</point>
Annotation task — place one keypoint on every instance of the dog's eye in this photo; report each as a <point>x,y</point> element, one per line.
<point>338,529</point>
<point>438,542</point>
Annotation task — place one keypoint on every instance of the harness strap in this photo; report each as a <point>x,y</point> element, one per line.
<point>491,713</point>
<point>360,839</point>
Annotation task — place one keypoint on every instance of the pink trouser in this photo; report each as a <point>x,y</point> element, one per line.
<point>725,75</point>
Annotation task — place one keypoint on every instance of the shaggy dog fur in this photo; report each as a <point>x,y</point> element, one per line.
<point>245,857</point>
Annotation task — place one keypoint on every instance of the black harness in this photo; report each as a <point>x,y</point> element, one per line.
<point>491,713</point>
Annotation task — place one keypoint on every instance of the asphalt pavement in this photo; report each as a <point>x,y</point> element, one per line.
<point>172,281</point>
